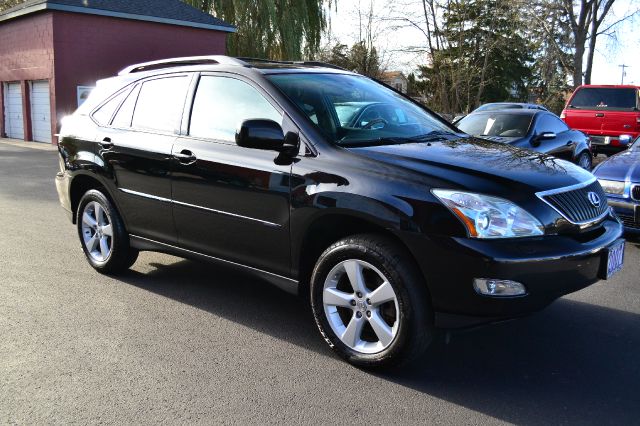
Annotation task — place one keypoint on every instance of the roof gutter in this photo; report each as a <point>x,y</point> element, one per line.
<point>89,11</point>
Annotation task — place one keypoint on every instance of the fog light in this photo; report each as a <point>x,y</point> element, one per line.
<point>498,288</point>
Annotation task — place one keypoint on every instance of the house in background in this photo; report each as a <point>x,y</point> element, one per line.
<point>52,52</point>
<point>395,79</point>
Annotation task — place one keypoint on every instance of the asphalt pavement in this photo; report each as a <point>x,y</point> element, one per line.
<point>175,341</point>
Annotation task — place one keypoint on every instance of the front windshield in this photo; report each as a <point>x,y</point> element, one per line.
<point>353,110</point>
<point>496,124</point>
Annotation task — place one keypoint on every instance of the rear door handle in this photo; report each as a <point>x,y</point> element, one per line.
<point>185,157</point>
<point>106,143</point>
<point>599,114</point>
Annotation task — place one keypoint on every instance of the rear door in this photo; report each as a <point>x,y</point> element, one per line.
<point>136,150</point>
<point>562,145</point>
<point>231,202</point>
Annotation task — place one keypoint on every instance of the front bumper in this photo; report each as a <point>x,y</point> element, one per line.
<point>549,267</point>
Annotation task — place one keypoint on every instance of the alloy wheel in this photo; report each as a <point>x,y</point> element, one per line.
<point>361,306</point>
<point>585,162</point>
<point>97,232</point>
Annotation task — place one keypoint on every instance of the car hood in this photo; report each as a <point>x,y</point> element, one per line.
<point>620,167</point>
<point>456,161</point>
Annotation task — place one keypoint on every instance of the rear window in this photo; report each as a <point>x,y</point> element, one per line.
<point>605,98</point>
<point>496,124</point>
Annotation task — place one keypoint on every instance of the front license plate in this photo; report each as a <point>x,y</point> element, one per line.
<point>637,210</point>
<point>615,258</point>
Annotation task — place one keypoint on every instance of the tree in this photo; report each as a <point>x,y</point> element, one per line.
<point>359,58</point>
<point>275,29</point>
<point>586,18</point>
<point>477,54</point>
<point>6,4</point>
<point>552,50</point>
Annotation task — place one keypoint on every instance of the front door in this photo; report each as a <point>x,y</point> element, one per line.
<point>231,202</point>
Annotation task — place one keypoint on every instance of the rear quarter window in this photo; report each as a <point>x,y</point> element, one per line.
<point>605,98</point>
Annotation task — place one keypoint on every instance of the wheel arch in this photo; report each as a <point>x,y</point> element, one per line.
<point>326,230</point>
<point>80,184</point>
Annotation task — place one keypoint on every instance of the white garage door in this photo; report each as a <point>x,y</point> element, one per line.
<point>13,123</point>
<point>40,111</point>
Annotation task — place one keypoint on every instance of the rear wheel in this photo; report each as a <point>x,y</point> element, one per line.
<point>104,239</point>
<point>585,160</point>
<point>370,302</point>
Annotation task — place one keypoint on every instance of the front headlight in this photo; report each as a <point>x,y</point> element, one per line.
<point>612,186</point>
<point>489,217</point>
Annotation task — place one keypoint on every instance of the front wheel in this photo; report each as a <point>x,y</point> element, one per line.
<point>104,240</point>
<point>370,302</point>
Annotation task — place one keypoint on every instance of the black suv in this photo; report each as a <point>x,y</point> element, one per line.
<point>387,219</point>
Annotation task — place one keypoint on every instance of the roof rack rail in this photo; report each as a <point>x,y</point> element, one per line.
<point>189,60</point>
<point>308,63</point>
<point>321,64</point>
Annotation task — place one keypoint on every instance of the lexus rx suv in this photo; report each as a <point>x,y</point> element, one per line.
<point>386,219</point>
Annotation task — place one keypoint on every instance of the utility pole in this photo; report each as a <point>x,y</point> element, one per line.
<point>623,66</point>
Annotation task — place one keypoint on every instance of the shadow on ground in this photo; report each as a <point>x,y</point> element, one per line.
<point>573,362</point>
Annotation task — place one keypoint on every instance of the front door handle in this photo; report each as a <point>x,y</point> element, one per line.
<point>599,114</point>
<point>185,157</point>
<point>106,143</point>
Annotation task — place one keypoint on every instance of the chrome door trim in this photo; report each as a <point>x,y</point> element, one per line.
<point>194,206</point>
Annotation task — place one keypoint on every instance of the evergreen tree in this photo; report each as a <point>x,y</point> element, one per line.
<point>484,56</point>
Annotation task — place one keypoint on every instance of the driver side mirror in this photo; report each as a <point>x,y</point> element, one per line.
<point>267,135</point>
<point>260,134</point>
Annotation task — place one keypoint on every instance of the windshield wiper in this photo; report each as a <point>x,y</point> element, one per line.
<point>434,136</point>
<point>384,140</point>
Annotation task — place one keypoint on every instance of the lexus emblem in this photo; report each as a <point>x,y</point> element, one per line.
<point>594,199</point>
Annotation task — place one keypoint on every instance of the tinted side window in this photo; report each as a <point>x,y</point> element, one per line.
<point>160,104</point>
<point>125,113</point>
<point>103,114</point>
<point>549,123</point>
<point>222,103</point>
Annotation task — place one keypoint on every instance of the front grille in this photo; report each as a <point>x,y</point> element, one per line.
<point>635,192</point>
<point>629,221</point>
<point>575,204</point>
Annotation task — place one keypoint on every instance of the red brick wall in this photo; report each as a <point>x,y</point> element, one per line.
<point>71,49</point>
<point>26,53</point>
<point>88,48</point>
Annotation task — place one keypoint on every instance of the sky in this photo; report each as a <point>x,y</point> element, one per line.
<point>394,38</point>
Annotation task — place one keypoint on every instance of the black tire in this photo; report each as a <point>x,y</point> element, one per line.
<point>121,256</point>
<point>415,320</point>
<point>583,159</point>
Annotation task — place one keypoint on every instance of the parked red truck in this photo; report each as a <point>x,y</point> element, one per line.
<point>606,113</point>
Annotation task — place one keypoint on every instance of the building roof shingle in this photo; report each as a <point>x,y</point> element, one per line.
<point>163,11</point>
